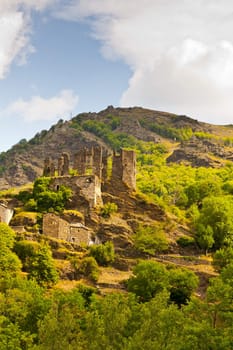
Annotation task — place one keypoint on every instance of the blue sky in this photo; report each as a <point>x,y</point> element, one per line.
<point>59,58</point>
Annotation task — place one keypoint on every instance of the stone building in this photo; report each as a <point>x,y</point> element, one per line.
<point>5,213</point>
<point>124,169</point>
<point>91,164</point>
<point>56,227</point>
<point>86,191</point>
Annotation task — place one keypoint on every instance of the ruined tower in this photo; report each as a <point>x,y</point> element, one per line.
<point>124,168</point>
<point>80,162</point>
<point>49,167</point>
<point>66,163</point>
<point>97,161</point>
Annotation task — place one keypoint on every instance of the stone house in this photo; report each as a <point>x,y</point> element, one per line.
<point>56,227</point>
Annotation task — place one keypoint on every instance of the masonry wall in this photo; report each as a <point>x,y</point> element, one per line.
<point>5,214</point>
<point>124,169</point>
<point>79,234</point>
<point>54,226</point>
<point>128,159</point>
<point>85,188</point>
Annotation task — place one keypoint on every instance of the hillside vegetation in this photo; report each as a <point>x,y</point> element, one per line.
<point>160,276</point>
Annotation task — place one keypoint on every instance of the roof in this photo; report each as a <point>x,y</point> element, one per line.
<point>79,225</point>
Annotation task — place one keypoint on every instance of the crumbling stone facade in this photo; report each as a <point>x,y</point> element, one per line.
<point>56,227</point>
<point>93,161</point>
<point>124,168</point>
<point>86,190</point>
<point>49,167</point>
<point>5,213</point>
<point>91,164</point>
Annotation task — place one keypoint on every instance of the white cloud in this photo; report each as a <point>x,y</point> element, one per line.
<point>15,28</point>
<point>39,108</point>
<point>180,51</point>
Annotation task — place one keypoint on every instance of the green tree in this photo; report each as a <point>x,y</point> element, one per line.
<point>150,239</point>
<point>104,254</point>
<point>9,262</point>
<point>86,267</point>
<point>7,236</point>
<point>111,321</point>
<point>41,267</point>
<point>201,189</point>
<point>182,284</point>
<point>216,216</point>
<point>26,250</point>
<point>149,278</point>
<point>204,236</point>
<point>222,258</point>
<point>61,328</point>
<point>161,326</point>
<point>48,200</point>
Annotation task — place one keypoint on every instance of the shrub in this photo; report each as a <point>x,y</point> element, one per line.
<point>222,258</point>
<point>25,251</point>
<point>103,253</point>
<point>182,283</point>
<point>150,239</point>
<point>108,209</point>
<point>149,278</point>
<point>89,268</point>
<point>41,267</point>
<point>185,241</point>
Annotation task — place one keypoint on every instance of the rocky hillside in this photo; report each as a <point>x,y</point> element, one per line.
<point>189,141</point>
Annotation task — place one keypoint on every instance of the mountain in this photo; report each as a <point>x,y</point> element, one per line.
<point>189,141</point>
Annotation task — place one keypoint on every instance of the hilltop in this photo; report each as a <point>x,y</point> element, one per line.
<point>188,141</point>
<point>180,164</point>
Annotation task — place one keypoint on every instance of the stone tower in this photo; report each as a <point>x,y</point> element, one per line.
<point>49,167</point>
<point>124,168</point>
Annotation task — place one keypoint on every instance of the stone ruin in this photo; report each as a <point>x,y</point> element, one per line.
<point>6,213</point>
<point>58,228</point>
<point>94,162</point>
<point>91,166</point>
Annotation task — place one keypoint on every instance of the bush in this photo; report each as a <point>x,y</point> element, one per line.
<point>108,209</point>
<point>149,278</point>
<point>89,268</point>
<point>41,267</point>
<point>10,264</point>
<point>26,250</point>
<point>150,240</point>
<point>185,241</point>
<point>182,283</point>
<point>48,200</point>
<point>222,258</point>
<point>103,253</point>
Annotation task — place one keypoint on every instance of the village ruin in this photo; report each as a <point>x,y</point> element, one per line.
<point>90,166</point>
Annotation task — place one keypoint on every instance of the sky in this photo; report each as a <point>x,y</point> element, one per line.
<point>59,58</point>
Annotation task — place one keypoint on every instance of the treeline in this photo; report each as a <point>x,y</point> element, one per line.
<point>159,311</point>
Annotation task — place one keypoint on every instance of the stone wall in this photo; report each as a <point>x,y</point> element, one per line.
<point>86,188</point>
<point>79,234</point>
<point>124,168</point>
<point>91,165</point>
<point>5,213</point>
<point>54,226</point>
